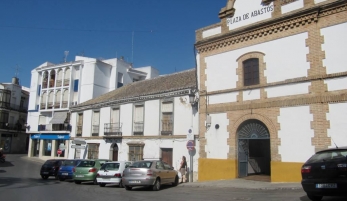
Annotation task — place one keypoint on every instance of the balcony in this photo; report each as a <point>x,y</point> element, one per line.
<point>43,106</point>
<point>79,131</point>
<point>112,129</point>
<point>138,128</point>
<point>12,127</point>
<point>5,105</point>
<point>53,127</point>
<point>95,130</point>
<point>167,127</point>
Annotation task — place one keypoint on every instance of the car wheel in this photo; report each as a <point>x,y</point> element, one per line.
<point>121,184</point>
<point>175,183</point>
<point>95,182</point>
<point>102,184</point>
<point>44,176</point>
<point>156,186</point>
<point>315,197</point>
<point>128,188</point>
<point>77,182</point>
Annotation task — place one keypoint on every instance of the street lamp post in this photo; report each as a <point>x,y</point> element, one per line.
<point>193,102</point>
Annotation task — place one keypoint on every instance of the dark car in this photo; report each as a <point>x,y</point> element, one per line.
<point>325,174</point>
<point>66,169</point>
<point>51,168</point>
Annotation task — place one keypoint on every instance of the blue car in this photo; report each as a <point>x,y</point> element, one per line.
<point>66,169</point>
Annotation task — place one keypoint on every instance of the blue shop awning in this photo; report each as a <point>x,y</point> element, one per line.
<point>50,136</point>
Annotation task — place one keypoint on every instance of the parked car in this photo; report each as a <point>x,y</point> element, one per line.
<point>86,170</point>
<point>152,173</point>
<point>325,174</point>
<point>111,173</point>
<point>65,170</point>
<point>51,168</point>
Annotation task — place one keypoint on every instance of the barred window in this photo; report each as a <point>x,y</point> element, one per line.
<point>251,72</point>
<point>93,151</point>
<point>135,152</point>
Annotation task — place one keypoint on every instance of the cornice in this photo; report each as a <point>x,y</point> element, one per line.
<point>271,26</point>
<point>308,99</point>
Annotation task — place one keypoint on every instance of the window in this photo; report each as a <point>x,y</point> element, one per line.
<point>135,152</point>
<point>119,80</point>
<point>47,147</point>
<point>138,120</point>
<point>114,127</point>
<point>79,124</point>
<point>93,151</point>
<point>251,72</point>
<point>3,119</point>
<point>75,85</point>
<point>167,118</point>
<point>95,123</point>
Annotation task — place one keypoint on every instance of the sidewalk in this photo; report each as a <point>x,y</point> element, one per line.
<point>230,183</point>
<point>244,184</point>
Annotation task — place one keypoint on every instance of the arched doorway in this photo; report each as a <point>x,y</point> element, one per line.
<point>115,152</point>
<point>253,148</point>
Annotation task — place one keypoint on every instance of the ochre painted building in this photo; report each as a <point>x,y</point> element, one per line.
<point>273,87</point>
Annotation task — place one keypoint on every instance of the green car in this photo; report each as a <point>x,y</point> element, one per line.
<point>87,170</point>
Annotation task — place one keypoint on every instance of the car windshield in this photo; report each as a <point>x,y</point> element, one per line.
<point>70,163</point>
<point>110,166</point>
<point>328,156</point>
<point>141,164</point>
<point>86,164</point>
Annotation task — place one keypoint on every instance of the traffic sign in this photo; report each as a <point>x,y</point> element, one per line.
<point>79,141</point>
<point>190,145</point>
<point>78,146</point>
<point>59,151</point>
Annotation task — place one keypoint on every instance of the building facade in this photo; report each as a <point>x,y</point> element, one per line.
<point>273,87</point>
<point>149,119</point>
<point>14,101</point>
<point>56,87</point>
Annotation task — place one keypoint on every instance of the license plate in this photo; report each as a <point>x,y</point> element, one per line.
<point>330,185</point>
<point>45,172</point>
<point>79,175</point>
<point>134,182</point>
<point>64,173</point>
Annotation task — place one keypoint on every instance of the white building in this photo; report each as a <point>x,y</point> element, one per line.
<point>149,119</point>
<point>13,114</point>
<point>56,87</point>
<point>273,81</point>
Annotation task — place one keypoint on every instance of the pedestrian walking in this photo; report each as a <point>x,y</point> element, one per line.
<point>183,169</point>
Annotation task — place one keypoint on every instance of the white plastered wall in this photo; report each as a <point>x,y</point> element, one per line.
<point>337,117</point>
<point>223,98</point>
<point>221,68</point>
<point>292,6</point>
<point>288,90</point>
<point>339,83</point>
<point>216,146</point>
<point>152,118</point>
<point>295,134</point>
<point>334,39</point>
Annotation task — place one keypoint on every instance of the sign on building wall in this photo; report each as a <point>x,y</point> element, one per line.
<point>248,12</point>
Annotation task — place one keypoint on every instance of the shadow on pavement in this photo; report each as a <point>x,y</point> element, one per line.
<point>6,164</point>
<point>25,182</point>
<point>145,188</point>
<point>2,171</point>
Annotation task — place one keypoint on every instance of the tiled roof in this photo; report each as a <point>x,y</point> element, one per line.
<point>162,84</point>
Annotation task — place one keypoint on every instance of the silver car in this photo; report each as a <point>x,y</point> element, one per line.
<point>152,173</point>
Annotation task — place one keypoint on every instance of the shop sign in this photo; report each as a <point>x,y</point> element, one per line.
<point>50,137</point>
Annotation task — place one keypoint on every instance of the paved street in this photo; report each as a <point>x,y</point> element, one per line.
<point>20,180</point>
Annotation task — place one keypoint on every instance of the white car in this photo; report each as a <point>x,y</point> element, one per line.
<point>111,173</point>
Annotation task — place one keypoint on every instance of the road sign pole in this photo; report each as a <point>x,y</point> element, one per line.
<point>191,168</point>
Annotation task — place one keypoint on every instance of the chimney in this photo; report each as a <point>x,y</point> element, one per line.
<point>15,80</point>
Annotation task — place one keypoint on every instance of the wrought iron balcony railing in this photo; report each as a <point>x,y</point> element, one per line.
<point>95,130</point>
<point>112,129</point>
<point>53,127</point>
<point>166,127</point>
<point>138,128</point>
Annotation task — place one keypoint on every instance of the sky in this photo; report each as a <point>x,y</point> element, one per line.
<point>157,33</point>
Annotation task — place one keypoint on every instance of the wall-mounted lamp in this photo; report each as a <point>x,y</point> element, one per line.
<point>208,121</point>
<point>193,99</point>
<point>27,126</point>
